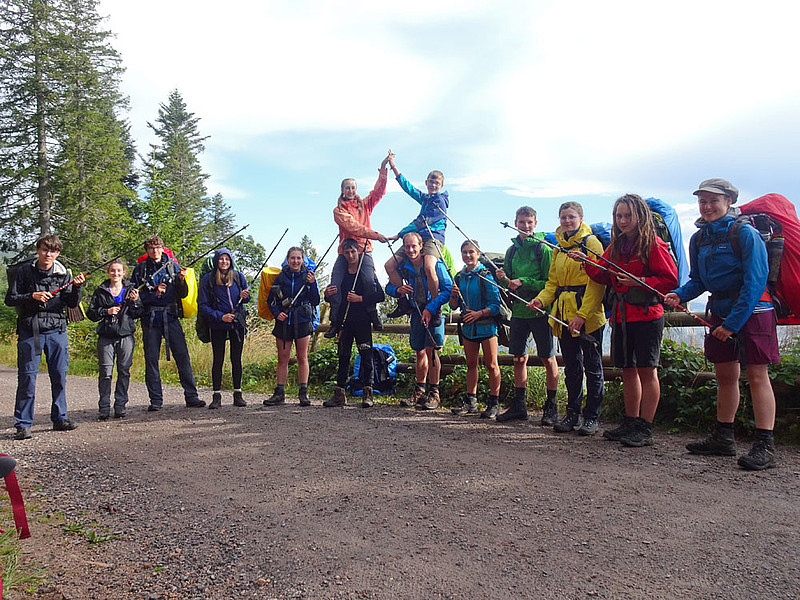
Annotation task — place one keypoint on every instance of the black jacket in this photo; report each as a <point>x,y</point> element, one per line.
<point>123,323</point>
<point>28,278</point>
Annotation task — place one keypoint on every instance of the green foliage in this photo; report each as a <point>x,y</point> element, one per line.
<point>323,365</point>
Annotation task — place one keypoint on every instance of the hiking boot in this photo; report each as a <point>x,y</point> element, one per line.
<point>717,444</point>
<point>491,410</point>
<point>65,425</point>
<point>216,400</point>
<point>760,457</point>
<point>417,397</point>
<point>517,411</point>
<point>154,408</point>
<point>620,430</point>
<point>333,330</point>
<point>366,398</point>
<point>639,433</point>
<point>339,398</point>
<point>431,401</point>
<point>468,406</point>
<point>570,421</point>
<point>103,417</point>
<point>238,400</point>
<point>195,403</point>
<point>120,415</point>
<point>23,433</point>
<point>278,397</point>
<point>588,427</point>
<point>377,324</point>
<point>549,413</point>
<point>403,308</point>
<point>302,396</point>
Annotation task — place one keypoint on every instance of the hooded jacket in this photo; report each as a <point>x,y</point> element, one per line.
<point>116,326</point>
<point>660,272</point>
<point>353,216</point>
<point>569,288</point>
<point>432,207</point>
<point>48,315</point>
<point>527,266</point>
<point>737,283</point>
<point>469,284</point>
<point>285,287</point>
<point>214,301</point>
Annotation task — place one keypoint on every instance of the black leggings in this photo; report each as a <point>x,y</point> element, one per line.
<point>218,337</point>
<point>361,332</point>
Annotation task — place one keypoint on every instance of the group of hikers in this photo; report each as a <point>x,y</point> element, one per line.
<point>555,289</point>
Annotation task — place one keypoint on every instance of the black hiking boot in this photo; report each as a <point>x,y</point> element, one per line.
<point>333,330</point>
<point>237,399</point>
<point>195,403</point>
<point>620,430</point>
<point>468,406</point>
<point>760,457</point>
<point>639,434</point>
<point>375,318</point>
<point>339,398</point>
<point>570,421</point>
<point>216,400</point>
<point>549,413</point>
<point>492,408</point>
<point>302,396</point>
<point>278,397</point>
<point>403,308</point>
<point>517,412</point>
<point>718,443</point>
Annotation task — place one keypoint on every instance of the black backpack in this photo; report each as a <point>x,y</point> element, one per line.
<point>384,368</point>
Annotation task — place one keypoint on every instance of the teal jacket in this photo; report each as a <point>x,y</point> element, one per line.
<point>530,263</point>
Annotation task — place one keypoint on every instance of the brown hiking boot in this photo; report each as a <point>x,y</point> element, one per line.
<point>366,398</point>
<point>339,398</point>
<point>431,401</point>
<point>417,397</point>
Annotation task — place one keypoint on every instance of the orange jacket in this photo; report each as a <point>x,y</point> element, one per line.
<point>352,216</point>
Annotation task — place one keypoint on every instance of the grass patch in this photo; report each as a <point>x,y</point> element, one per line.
<point>16,575</point>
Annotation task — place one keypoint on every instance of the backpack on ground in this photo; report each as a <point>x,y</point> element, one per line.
<point>502,319</point>
<point>384,368</point>
<point>775,218</point>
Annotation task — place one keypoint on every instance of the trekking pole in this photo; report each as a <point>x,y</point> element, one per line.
<point>439,252</point>
<point>557,247</point>
<point>258,273</point>
<point>646,286</point>
<point>355,280</point>
<point>410,298</point>
<point>95,269</point>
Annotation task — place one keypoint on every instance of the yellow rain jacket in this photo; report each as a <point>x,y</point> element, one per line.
<point>569,289</point>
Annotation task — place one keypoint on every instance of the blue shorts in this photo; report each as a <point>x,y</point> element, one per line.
<point>542,335</point>
<point>419,340</point>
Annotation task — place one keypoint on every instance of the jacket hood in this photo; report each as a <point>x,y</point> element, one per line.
<point>356,201</point>
<point>219,253</point>
<point>582,232</point>
<point>733,213</point>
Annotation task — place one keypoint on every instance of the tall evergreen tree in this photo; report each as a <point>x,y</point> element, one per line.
<point>174,178</point>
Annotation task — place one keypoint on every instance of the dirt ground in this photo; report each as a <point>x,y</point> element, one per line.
<point>387,503</point>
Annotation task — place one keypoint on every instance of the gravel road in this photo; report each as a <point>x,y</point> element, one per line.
<point>386,503</point>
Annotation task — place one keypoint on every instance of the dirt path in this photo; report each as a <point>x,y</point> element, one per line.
<point>386,503</point>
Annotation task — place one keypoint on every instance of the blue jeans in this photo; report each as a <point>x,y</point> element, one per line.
<point>107,350</point>
<point>55,348</point>
<point>151,339</point>
<point>581,356</point>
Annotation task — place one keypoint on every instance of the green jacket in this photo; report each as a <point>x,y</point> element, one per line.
<point>530,263</point>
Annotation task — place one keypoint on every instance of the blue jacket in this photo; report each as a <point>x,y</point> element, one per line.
<point>409,274</point>
<point>285,287</point>
<point>469,283</point>
<point>214,301</point>
<point>434,207</point>
<point>717,269</point>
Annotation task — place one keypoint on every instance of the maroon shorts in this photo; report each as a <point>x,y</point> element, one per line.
<point>755,344</point>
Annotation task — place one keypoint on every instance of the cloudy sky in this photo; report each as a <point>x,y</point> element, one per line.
<point>517,102</point>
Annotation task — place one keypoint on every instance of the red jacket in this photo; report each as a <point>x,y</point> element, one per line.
<point>352,216</point>
<point>660,273</point>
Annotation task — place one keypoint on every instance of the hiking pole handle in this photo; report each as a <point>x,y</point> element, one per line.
<point>66,285</point>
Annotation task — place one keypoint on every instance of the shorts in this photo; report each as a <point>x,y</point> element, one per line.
<point>643,348</point>
<point>430,247</point>
<point>418,339</point>
<point>755,344</point>
<point>287,332</point>
<point>542,335</point>
<point>479,340</point>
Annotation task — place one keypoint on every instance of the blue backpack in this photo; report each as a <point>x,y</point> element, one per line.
<point>384,364</point>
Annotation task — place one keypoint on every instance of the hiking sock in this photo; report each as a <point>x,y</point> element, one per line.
<point>519,393</point>
<point>432,387</point>
<point>726,429</point>
<point>280,388</point>
<point>765,435</point>
<point>551,395</point>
